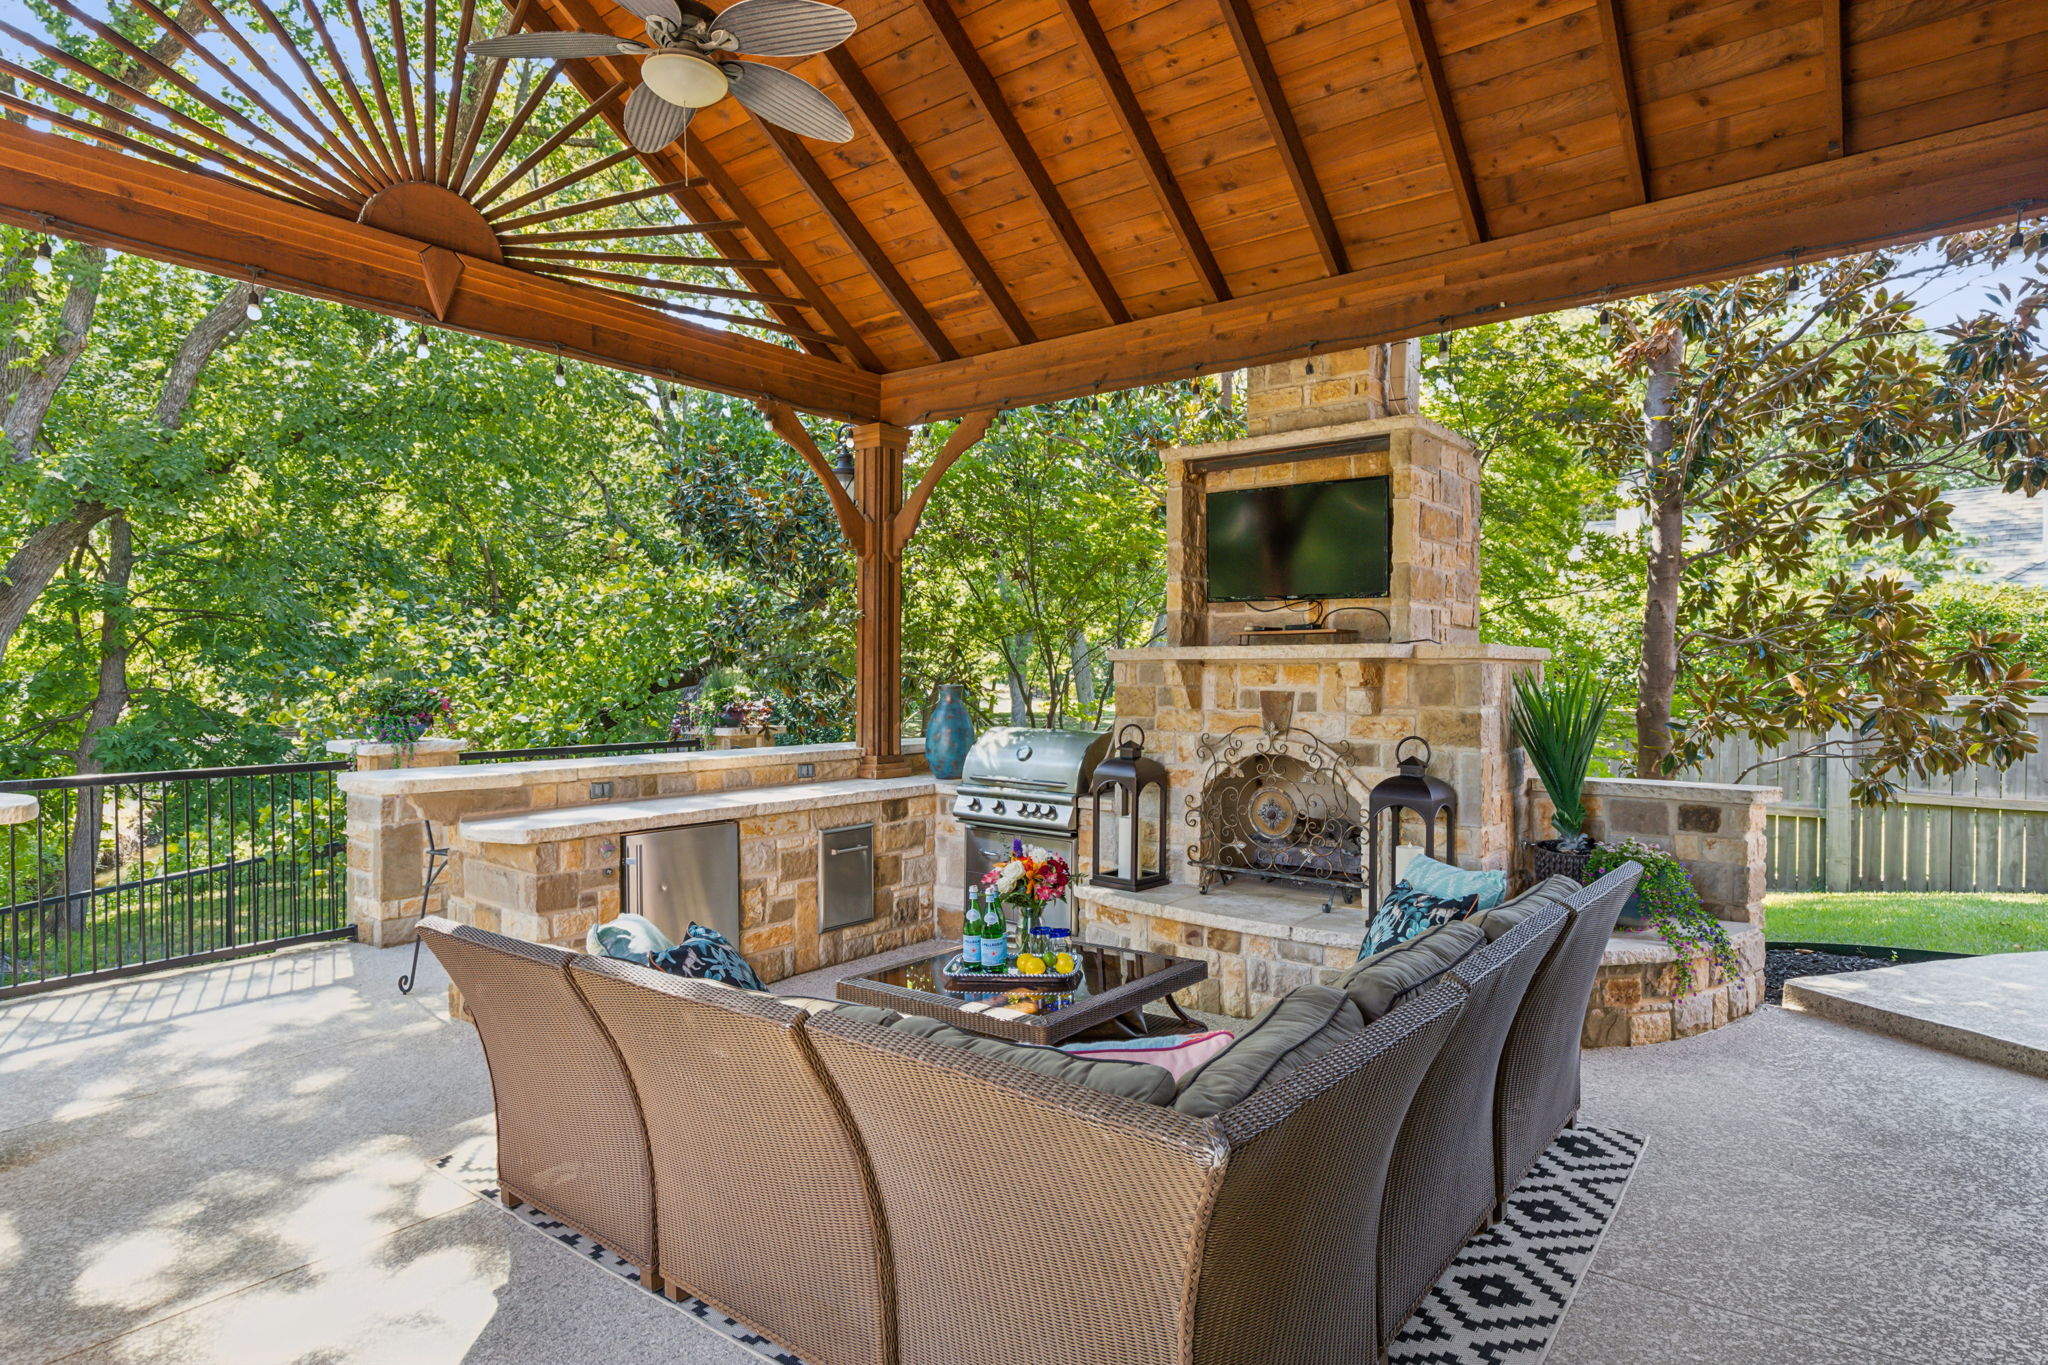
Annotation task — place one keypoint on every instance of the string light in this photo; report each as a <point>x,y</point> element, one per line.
<point>561,375</point>
<point>420,351</point>
<point>44,264</point>
<point>254,312</point>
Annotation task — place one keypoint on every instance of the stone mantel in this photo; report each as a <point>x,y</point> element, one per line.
<point>1362,653</point>
<point>628,817</point>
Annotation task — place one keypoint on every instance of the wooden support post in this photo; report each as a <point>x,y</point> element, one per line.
<point>878,701</point>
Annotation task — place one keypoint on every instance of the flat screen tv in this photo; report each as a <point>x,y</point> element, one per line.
<point>1310,540</point>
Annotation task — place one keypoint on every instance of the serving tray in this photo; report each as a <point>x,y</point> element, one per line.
<point>1052,983</point>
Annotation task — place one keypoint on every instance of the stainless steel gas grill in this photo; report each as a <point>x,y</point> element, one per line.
<point>1025,784</point>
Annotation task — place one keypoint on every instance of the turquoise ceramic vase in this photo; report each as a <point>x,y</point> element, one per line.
<point>949,733</point>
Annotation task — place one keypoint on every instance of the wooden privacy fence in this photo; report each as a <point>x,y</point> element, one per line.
<point>1978,830</point>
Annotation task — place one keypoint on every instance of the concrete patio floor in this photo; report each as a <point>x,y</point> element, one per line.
<point>232,1165</point>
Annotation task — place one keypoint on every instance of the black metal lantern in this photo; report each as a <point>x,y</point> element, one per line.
<point>1136,788</point>
<point>1410,789</point>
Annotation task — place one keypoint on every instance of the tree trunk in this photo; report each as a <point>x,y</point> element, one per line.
<point>31,393</point>
<point>1665,484</point>
<point>81,859</point>
<point>32,566</point>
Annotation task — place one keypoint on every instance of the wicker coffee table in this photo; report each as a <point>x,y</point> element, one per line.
<point>1117,984</point>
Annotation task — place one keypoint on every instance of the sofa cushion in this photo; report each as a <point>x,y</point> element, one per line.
<point>1181,1053</point>
<point>1385,980</point>
<point>1506,915</point>
<point>1427,874</point>
<point>1133,1080</point>
<point>630,938</point>
<point>1407,912</point>
<point>1301,1027</point>
<point>860,1014</point>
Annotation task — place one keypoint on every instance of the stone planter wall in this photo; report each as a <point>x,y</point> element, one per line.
<point>1636,996</point>
<point>1717,830</point>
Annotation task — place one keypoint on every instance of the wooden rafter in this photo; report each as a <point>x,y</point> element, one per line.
<point>515,240</point>
<point>1301,173</point>
<point>866,249</point>
<point>672,165</point>
<point>922,183</point>
<point>1834,39</point>
<point>55,183</point>
<point>1621,80</point>
<point>1137,130</point>
<point>1443,116</point>
<point>709,291</point>
<point>1974,177</point>
<point>536,253</point>
<point>953,40</point>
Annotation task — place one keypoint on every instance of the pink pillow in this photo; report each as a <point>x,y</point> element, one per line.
<point>1179,1053</point>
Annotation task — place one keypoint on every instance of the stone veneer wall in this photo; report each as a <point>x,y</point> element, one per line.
<point>1367,696</point>
<point>1637,1000</point>
<point>1719,831</point>
<point>1434,587</point>
<point>387,838</point>
<point>554,892</point>
<point>1336,386</point>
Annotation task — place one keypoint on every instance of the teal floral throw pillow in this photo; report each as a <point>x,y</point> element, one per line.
<point>1407,912</point>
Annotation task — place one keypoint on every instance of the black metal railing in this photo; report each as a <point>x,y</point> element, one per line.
<point>126,872</point>
<point>649,746</point>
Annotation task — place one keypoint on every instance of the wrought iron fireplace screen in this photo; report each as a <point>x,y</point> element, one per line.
<point>1273,805</point>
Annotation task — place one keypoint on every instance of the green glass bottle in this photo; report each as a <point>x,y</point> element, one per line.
<point>995,946</point>
<point>970,932</point>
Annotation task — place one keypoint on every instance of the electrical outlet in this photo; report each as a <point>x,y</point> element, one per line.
<point>804,770</point>
<point>600,791</point>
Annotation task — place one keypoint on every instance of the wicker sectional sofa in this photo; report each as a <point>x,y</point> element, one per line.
<point>869,1196</point>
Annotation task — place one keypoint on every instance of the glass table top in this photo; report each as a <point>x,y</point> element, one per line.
<point>1103,970</point>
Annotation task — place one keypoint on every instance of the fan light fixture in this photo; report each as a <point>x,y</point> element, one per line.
<point>683,79</point>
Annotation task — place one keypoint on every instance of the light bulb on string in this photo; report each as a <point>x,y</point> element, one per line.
<point>561,375</point>
<point>419,350</point>
<point>44,262</point>
<point>254,312</point>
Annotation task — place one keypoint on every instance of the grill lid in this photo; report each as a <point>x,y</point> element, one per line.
<point>1021,759</point>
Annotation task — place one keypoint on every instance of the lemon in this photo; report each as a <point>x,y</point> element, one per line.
<point>1031,964</point>
<point>1063,963</point>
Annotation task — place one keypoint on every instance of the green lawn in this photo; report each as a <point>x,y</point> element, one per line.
<point>1942,922</point>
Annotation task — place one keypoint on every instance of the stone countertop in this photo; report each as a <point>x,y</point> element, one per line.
<point>1367,653</point>
<point>1645,947</point>
<point>484,776</point>
<point>1292,913</point>
<point>18,808</point>
<point>628,817</point>
<point>1680,790</point>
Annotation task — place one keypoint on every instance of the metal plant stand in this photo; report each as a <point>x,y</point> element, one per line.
<point>437,858</point>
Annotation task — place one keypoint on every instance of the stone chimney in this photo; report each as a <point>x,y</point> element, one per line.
<point>1334,388</point>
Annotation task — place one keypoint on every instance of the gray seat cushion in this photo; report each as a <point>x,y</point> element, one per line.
<point>1302,1026</point>
<point>1386,979</point>
<point>1133,1080</point>
<point>1509,913</point>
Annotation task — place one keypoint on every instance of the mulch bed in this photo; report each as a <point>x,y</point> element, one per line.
<point>1783,964</point>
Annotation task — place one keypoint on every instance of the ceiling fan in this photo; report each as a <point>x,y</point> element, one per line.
<point>687,67</point>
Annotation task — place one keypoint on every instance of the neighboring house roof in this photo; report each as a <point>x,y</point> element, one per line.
<point>2006,533</point>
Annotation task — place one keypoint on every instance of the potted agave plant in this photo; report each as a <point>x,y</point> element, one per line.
<point>1557,722</point>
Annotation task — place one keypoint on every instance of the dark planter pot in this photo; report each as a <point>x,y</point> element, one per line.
<point>1546,859</point>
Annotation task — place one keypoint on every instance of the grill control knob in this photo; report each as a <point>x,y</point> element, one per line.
<point>974,804</point>
<point>999,808</point>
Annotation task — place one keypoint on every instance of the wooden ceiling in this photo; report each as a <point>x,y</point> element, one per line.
<point>1046,198</point>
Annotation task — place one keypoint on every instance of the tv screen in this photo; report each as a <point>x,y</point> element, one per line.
<point>1309,540</point>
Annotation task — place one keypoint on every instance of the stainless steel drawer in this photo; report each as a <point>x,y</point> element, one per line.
<point>846,876</point>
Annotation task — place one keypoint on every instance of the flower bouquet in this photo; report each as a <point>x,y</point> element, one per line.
<point>1026,882</point>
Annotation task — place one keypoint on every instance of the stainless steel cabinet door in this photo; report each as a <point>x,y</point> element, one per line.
<point>846,876</point>
<point>692,872</point>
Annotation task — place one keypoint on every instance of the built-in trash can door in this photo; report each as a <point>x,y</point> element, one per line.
<point>846,876</point>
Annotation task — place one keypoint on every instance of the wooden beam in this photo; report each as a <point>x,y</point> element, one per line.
<point>852,524</point>
<point>972,428</point>
<point>1137,130</point>
<point>669,164</point>
<point>953,40</point>
<point>866,249</point>
<point>1971,178</point>
<point>1621,81</point>
<point>922,183</point>
<point>1301,173</point>
<point>878,643</point>
<point>60,185</point>
<point>1834,40</point>
<point>1436,96</point>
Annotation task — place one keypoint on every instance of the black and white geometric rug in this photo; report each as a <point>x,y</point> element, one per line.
<point>1500,1303</point>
